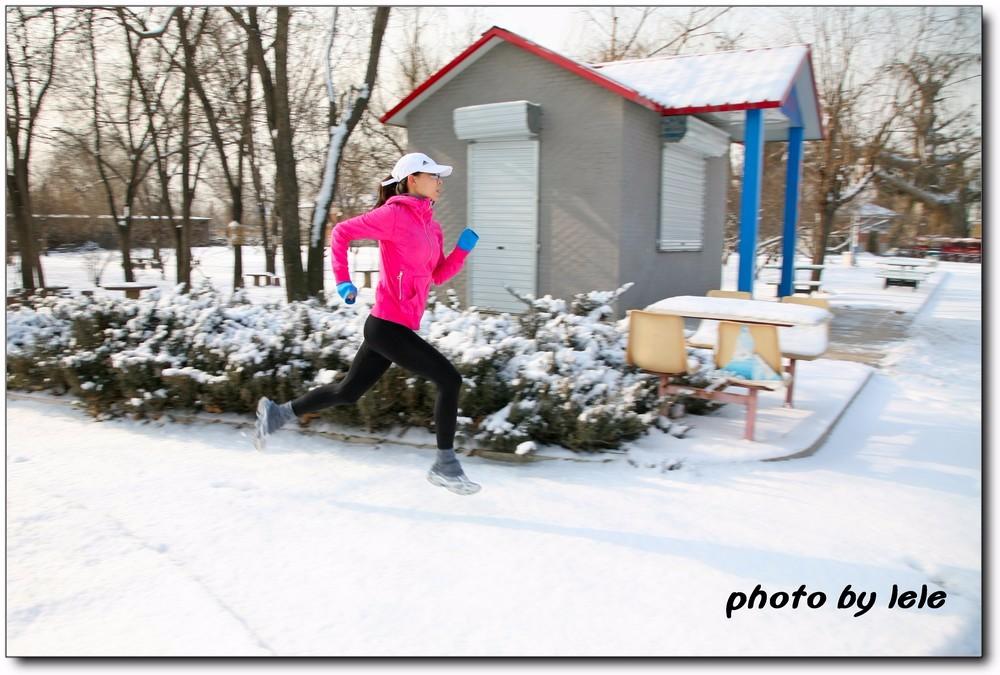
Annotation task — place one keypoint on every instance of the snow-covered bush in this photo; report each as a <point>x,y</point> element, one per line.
<point>555,374</point>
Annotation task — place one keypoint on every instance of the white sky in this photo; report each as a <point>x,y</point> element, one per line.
<point>563,28</point>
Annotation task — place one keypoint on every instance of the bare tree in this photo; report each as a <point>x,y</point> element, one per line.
<point>215,119</point>
<point>128,134</point>
<point>841,165</point>
<point>31,64</point>
<point>342,124</point>
<point>932,172</point>
<point>414,60</point>
<point>641,32</point>
<point>620,36</point>
<point>276,98</point>
<point>268,238</point>
<point>220,122</point>
<point>152,81</point>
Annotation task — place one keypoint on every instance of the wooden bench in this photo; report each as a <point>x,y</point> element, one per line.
<point>269,279</point>
<point>148,263</point>
<point>132,290</point>
<point>801,286</point>
<point>807,287</point>
<point>905,277</point>
<point>368,276</point>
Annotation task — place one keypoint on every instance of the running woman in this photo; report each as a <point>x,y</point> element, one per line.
<point>411,246</point>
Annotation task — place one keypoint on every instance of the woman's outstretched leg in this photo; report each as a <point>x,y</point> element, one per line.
<point>408,350</point>
<point>368,366</point>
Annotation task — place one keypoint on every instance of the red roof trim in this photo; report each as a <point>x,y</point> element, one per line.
<point>587,73</point>
<point>725,107</point>
<point>568,64</point>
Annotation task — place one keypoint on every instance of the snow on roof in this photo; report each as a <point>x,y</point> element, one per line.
<point>719,86</point>
<point>735,77</point>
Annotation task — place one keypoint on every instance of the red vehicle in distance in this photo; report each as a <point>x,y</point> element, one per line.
<point>956,249</point>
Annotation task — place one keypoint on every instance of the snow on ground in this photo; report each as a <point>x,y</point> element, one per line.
<point>842,284</point>
<point>846,286</point>
<point>137,539</point>
<point>215,265</point>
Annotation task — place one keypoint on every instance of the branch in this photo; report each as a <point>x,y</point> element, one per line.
<point>340,132</point>
<point>156,32</point>
<point>238,18</point>
<point>899,162</point>
<point>688,30</point>
<point>854,190</point>
<point>926,196</point>
<point>646,11</point>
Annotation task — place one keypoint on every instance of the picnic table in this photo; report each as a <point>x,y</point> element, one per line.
<point>148,263</point>
<point>903,271</point>
<point>802,330</point>
<point>269,279</point>
<point>799,285</point>
<point>132,288</point>
<point>764,318</point>
<point>367,272</point>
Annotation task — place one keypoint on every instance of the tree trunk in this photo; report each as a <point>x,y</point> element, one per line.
<point>279,123</point>
<point>192,78</point>
<point>184,250</point>
<point>17,189</point>
<point>255,177</point>
<point>827,213</point>
<point>351,117</point>
<point>287,199</point>
<point>124,226</point>
<point>237,212</point>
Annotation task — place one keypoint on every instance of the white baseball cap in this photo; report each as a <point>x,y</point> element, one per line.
<point>414,162</point>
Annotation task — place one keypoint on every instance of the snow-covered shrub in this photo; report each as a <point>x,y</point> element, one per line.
<point>555,374</point>
<point>569,384</point>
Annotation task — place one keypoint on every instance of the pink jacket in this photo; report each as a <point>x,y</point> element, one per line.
<point>412,250</point>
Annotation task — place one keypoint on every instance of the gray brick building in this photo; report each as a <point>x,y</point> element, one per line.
<point>574,178</point>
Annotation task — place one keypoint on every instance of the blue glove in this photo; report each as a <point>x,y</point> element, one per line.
<point>467,240</point>
<point>348,291</point>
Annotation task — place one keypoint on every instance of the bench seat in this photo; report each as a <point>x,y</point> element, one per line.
<point>916,275</point>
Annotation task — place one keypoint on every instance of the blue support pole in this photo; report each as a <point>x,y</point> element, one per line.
<point>753,162</point>
<point>788,233</point>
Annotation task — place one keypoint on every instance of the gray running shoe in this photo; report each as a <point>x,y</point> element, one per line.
<point>270,418</point>
<point>459,484</point>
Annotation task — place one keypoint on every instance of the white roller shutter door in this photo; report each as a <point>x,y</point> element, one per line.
<point>503,210</point>
<point>682,199</point>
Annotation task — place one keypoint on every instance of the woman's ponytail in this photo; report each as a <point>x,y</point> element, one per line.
<point>390,190</point>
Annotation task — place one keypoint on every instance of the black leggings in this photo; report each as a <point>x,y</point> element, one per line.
<point>385,343</point>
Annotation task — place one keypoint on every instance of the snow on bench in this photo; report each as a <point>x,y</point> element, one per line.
<point>735,309</point>
<point>919,275</point>
<point>902,277</point>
